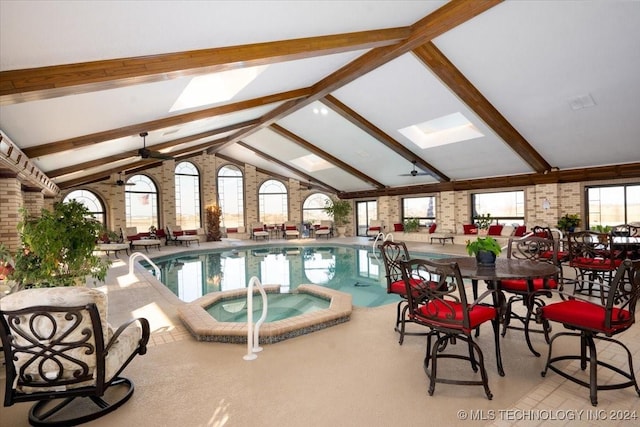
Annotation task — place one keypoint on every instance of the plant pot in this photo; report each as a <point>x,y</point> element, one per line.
<point>486,258</point>
<point>341,231</point>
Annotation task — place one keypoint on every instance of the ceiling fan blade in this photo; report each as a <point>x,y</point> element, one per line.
<point>145,153</point>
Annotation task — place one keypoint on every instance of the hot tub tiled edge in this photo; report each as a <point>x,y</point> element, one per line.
<point>205,328</point>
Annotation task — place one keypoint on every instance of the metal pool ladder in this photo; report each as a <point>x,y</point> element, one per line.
<point>140,254</point>
<point>253,334</point>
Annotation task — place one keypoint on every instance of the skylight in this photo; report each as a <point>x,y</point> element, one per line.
<point>311,163</point>
<point>442,131</point>
<point>217,87</point>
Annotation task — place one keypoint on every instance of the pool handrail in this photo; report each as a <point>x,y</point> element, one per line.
<point>135,255</point>
<point>253,334</point>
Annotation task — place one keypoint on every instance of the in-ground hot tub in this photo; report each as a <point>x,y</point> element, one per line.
<point>206,328</point>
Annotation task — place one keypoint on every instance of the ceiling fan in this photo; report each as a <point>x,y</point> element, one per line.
<point>414,171</point>
<point>145,153</point>
<point>120,182</point>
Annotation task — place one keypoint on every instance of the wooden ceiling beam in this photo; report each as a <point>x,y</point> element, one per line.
<point>626,171</point>
<point>445,18</point>
<point>60,80</point>
<point>286,166</point>
<point>356,119</point>
<point>96,138</point>
<point>321,153</point>
<point>433,58</point>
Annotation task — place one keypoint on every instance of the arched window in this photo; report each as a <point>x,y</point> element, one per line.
<point>91,201</point>
<point>313,208</point>
<point>273,202</point>
<point>231,196</point>
<point>141,201</point>
<point>187,196</point>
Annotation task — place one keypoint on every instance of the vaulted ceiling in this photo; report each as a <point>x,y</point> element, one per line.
<point>546,91</point>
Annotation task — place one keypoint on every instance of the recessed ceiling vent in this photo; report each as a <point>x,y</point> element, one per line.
<point>580,102</point>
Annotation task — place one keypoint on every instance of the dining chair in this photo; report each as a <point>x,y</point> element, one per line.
<point>437,299</point>
<point>594,261</point>
<point>535,249</point>
<point>393,253</point>
<point>61,353</point>
<point>596,319</point>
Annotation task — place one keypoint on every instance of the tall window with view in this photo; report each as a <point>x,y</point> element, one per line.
<point>141,201</point>
<point>313,208</point>
<point>273,202</point>
<point>187,181</point>
<point>613,205</point>
<point>421,208</point>
<point>505,207</point>
<point>91,201</point>
<point>231,196</point>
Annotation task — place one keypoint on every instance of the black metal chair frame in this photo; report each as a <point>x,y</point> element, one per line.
<point>438,288</point>
<point>623,294</point>
<point>74,377</point>
<point>393,254</point>
<point>535,249</point>
<point>591,278</point>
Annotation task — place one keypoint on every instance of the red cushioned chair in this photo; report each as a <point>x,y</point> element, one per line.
<point>393,253</point>
<point>438,301</point>
<point>591,320</point>
<point>593,259</point>
<point>534,249</point>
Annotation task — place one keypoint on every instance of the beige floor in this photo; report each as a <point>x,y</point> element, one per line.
<point>352,374</point>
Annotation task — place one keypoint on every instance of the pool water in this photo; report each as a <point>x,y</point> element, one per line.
<point>354,270</point>
<point>281,306</point>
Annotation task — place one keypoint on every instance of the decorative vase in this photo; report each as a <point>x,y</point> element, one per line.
<point>486,258</point>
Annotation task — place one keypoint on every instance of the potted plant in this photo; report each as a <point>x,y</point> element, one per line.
<point>5,262</point>
<point>214,212</point>
<point>569,222</point>
<point>58,247</point>
<point>339,210</point>
<point>485,249</point>
<point>153,232</point>
<point>483,222</point>
<point>411,225</point>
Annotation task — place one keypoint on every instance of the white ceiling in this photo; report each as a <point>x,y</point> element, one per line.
<point>529,59</point>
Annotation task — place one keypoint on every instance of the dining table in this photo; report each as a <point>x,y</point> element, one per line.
<point>504,268</point>
<point>629,246</point>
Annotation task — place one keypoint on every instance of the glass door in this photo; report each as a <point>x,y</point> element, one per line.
<point>365,212</point>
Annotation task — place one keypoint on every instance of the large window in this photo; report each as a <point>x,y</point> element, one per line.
<point>187,196</point>
<point>506,207</point>
<point>91,201</point>
<point>422,208</point>
<point>141,201</point>
<point>273,202</point>
<point>313,208</point>
<point>365,212</point>
<point>613,205</point>
<point>231,196</point>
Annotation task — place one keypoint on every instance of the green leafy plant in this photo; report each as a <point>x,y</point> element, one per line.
<point>411,225</point>
<point>569,222</point>
<point>214,212</point>
<point>601,228</point>
<point>58,247</point>
<point>339,210</point>
<point>5,262</point>
<point>484,221</point>
<point>488,244</point>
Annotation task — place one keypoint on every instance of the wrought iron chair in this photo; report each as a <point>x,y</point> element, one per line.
<point>534,249</point>
<point>58,347</point>
<point>593,259</point>
<point>593,320</point>
<point>437,299</point>
<point>393,253</point>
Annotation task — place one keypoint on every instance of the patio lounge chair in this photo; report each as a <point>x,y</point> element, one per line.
<point>136,241</point>
<point>175,235</point>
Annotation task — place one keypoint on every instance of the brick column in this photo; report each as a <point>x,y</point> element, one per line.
<point>10,204</point>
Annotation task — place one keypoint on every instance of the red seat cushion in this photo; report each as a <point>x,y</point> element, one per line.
<point>178,233</point>
<point>399,287</point>
<point>441,311</point>
<point>595,263</point>
<point>291,227</point>
<point>520,285</point>
<point>432,228</point>
<point>470,229</point>
<point>521,230</point>
<point>232,230</point>
<point>495,230</point>
<point>586,315</point>
<point>374,228</point>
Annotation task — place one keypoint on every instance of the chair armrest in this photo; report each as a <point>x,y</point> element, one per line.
<point>144,325</point>
<point>482,296</point>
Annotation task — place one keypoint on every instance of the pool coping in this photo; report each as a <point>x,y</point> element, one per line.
<point>205,328</point>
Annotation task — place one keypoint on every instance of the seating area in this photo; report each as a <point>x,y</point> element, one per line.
<point>324,229</point>
<point>139,240</point>
<point>291,230</point>
<point>176,235</point>
<point>259,231</point>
